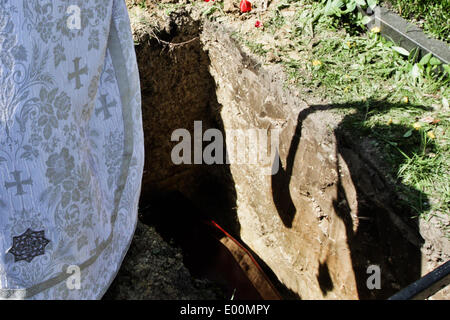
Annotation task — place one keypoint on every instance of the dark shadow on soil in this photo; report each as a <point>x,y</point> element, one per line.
<point>387,234</point>
<point>183,224</point>
<point>324,278</point>
<point>177,89</point>
<point>180,222</point>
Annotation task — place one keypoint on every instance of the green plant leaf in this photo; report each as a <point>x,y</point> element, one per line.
<point>445,103</point>
<point>413,55</point>
<point>446,68</point>
<point>416,72</point>
<point>435,62</point>
<point>351,6</point>
<point>401,50</point>
<point>333,7</point>
<point>408,133</point>
<point>372,3</point>
<point>366,20</point>
<point>425,59</point>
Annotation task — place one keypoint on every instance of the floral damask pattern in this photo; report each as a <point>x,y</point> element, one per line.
<point>71,146</point>
<point>49,18</point>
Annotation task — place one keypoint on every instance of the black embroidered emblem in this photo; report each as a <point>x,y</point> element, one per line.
<point>28,245</point>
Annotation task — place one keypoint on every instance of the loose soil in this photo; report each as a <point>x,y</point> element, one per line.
<point>315,227</point>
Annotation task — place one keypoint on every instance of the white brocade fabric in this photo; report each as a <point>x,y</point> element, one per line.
<point>71,146</point>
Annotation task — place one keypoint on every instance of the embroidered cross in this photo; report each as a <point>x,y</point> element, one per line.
<point>28,245</point>
<point>18,184</point>
<point>105,106</point>
<point>77,73</point>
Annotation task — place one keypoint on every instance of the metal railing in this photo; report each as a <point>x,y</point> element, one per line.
<point>426,286</point>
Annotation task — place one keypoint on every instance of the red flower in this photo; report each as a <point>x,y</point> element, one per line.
<point>258,24</point>
<point>246,6</point>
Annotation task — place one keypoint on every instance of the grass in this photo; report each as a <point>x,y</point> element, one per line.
<point>431,15</point>
<point>434,16</point>
<point>397,100</point>
<point>142,4</point>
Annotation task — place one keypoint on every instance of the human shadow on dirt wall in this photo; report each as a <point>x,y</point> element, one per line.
<point>387,234</point>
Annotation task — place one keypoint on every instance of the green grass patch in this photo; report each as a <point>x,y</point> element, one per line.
<point>433,15</point>
<point>384,92</point>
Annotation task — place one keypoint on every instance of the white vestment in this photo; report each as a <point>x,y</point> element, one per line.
<point>71,146</point>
